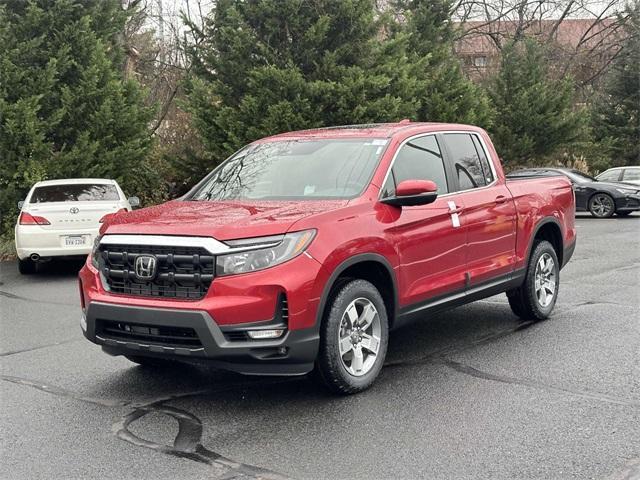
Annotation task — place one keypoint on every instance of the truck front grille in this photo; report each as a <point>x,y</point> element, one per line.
<point>181,272</point>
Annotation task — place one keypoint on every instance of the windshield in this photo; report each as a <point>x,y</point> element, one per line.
<point>578,176</point>
<point>75,192</point>
<point>295,170</point>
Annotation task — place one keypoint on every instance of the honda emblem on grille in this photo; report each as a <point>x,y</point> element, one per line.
<point>146,266</point>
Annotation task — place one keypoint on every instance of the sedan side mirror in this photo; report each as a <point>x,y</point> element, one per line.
<point>413,192</point>
<point>21,204</point>
<point>134,202</point>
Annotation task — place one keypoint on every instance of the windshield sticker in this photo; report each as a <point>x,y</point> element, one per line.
<point>376,142</point>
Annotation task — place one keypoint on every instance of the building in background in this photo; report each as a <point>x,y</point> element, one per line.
<point>580,47</point>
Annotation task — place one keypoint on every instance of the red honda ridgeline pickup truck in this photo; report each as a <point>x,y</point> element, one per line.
<point>303,250</point>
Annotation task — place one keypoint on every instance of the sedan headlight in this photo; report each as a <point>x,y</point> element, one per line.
<point>626,191</point>
<point>259,253</point>
<point>94,252</point>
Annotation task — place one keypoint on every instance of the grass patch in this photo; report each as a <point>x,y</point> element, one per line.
<point>7,246</point>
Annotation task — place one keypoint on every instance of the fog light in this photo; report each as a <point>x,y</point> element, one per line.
<point>264,334</point>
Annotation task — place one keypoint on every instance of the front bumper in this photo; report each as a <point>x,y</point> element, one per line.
<point>628,203</point>
<point>293,354</point>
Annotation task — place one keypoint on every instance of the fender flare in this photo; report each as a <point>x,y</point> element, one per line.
<point>539,225</point>
<point>351,261</point>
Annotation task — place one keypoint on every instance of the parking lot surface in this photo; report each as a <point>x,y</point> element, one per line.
<point>471,393</point>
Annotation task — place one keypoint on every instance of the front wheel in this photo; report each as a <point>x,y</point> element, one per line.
<point>602,205</point>
<point>536,297</point>
<point>353,338</point>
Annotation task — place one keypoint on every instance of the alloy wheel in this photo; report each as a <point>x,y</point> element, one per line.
<point>545,280</point>
<point>602,205</point>
<point>359,337</point>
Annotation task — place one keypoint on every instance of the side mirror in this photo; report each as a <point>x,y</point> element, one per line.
<point>21,204</point>
<point>134,202</point>
<point>413,192</point>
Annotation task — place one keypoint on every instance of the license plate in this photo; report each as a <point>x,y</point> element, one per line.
<point>77,241</point>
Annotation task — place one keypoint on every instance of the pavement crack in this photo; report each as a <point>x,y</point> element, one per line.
<point>598,302</point>
<point>474,372</point>
<point>440,357</point>
<point>187,444</point>
<point>13,296</point>
<point>40,347</point>
<point>61,392</point>
<point>461,347</point>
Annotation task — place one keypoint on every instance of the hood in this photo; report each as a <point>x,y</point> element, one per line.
<point>221,220</point>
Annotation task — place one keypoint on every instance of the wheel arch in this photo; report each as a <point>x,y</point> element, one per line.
<point>548,229</point>
<point>366,266</point>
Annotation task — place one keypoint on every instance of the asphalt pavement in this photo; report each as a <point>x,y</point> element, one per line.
<point>472,393</point>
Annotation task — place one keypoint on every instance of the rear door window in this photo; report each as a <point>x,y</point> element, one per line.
<point>466,161</point>
<point>484,160</point>
<point>78,192</point>
<point>632,174</point>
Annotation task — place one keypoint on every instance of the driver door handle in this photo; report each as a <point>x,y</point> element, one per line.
<point>501,199</point>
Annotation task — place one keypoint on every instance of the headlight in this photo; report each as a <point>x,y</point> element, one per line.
<point>626,191</point>
<point>94,252</point>
<point>260,253</point>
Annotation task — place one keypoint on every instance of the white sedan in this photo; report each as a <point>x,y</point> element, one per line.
<point>61,218</point>
<point>629,174</point>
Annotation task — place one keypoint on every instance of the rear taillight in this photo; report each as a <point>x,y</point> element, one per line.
<point>113,213</point>
<point>28,219</point>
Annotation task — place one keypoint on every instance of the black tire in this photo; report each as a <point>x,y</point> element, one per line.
<point>624,214</point>
<point>604,199</point>
<point>27,266</point>
<point>330,368</point>
<point>524,301</point>
<point>153,362</point>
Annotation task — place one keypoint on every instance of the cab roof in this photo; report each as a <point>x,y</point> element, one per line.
<point>371,130</point>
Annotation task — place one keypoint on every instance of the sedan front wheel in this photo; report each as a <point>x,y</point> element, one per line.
<point>602,205</point>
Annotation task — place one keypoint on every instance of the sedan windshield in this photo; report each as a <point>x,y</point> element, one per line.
<point>295,170</point>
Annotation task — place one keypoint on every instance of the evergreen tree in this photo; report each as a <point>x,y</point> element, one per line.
<point>535,115</point>
<point>266,66</point>
<point>65,110</point>
<point>445,94</point>
<point>616,116</point>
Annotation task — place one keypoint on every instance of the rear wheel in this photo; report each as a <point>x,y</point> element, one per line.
<point>602,205</point>
<point>536,297</point>
<point>353,338</point>
<point>27,266</point>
